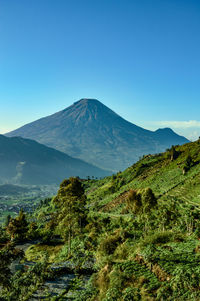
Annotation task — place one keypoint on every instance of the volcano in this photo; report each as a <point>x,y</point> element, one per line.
<point>90,131</point>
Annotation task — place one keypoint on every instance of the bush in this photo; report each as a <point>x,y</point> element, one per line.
<point>173,153</point>
<point>158,238</point>
<point>131,294</point>
<point>141,201</point>
<point>110,243</point>
<point>133,200</point>
<point>148,200</point>
<point>188,164</point>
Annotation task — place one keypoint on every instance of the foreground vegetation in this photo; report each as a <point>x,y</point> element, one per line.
<point>132,236</point>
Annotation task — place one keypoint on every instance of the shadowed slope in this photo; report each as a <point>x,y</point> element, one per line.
<point>28,162</point>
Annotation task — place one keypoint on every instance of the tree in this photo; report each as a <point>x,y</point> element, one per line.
<point>71,202</point>
<point>134,201</point>
<point>18,226</point>
<point>174,153</point>
<point>149,200</point>
<point>8,218</point>
<point>7,255</point>
<point>188,164</point>
<point>141,201</point>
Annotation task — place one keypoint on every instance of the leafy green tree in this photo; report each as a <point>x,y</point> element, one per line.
<point>7,255</point>
<point>173,153</point>
<point>8,218</point>
<point>18,226</point>
<point>188,164</point>
<point>149,200</point>
<point>3,236</point>
<point>33,232</point>
<point>141,201</point>
<point>71,201</point>
<point>134,201</point>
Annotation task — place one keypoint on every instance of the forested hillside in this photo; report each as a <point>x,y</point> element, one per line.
<point>131,236</point>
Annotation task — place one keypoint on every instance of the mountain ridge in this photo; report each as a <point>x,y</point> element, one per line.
<point>25,161</point>
<point>91,131</point>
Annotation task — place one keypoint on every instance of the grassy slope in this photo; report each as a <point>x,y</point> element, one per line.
<point>138,257</point>
<point>163,176</point>
<point>157,263</point>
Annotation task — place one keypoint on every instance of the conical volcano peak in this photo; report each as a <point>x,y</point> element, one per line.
<point>89,100</point>
<point>91,131</point>
<point>89,109</point>
<point>86,101</point>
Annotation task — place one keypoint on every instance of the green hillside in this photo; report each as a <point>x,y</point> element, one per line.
<point>131,236</point>
<point>163,174</point>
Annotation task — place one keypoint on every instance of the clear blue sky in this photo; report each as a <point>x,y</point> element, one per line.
<point>139,57</point>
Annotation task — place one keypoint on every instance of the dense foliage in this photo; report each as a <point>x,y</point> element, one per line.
<point>132,236</point>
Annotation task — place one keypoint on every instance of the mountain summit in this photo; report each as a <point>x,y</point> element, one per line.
<point>91,131</point>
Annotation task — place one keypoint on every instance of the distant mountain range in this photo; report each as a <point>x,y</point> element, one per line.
<point>12,190</point>
<point>24,161</point>
<point>92,132</point>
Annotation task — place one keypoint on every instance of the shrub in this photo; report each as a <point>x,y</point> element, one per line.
<point>109,244</point>
<point>131,294</point>
<point>188,164</point>
<point>148,200</point>
<point>158,238</point>
<point>173,153</point>
<point>133,200</point>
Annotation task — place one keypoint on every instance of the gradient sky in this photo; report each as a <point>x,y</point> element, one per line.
<point>139,57</point>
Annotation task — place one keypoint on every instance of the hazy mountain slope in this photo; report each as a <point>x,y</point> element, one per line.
<point>10,189</point>
<point>28,162</point>
<point>91,131</point>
